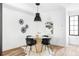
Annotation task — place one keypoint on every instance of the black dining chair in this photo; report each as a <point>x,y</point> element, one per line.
<point>45,42</point>
<point>30,42</point>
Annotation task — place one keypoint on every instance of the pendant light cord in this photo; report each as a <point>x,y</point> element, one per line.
<point>37,9</point>
<point>37,4</point>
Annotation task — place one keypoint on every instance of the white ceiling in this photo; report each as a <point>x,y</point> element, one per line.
<point>31,7</point>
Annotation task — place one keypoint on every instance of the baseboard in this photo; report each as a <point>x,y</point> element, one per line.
<point>58,45</point>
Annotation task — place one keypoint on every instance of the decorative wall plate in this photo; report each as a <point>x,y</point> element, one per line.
<point>23,29</point>
<point>26,26</point>
<point>21,21</point>
<point>49,25</point>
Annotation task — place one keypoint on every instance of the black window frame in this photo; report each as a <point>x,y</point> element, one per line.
<point>70,25</point>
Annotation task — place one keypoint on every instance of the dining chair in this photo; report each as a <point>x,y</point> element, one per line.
<point>45,42</point>
<point>30,42</point>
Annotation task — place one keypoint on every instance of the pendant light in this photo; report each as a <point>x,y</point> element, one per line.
<point>37,16</point>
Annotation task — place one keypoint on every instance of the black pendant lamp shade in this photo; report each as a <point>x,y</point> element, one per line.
<point>37,4</point>
<point>37,16</point>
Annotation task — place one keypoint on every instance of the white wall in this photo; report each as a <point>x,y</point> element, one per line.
<point>59,19</point>
<point>12,37</point>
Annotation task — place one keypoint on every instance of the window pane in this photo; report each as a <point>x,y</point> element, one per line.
<point>71,18</point>
<point>71,22</point>
<point>76,28</point>
<point>76,18</point>
<point>75,22</point>
<point>71,32</point>
<point>74,25</point>
<point>71,27</point>
<point>76,32</point>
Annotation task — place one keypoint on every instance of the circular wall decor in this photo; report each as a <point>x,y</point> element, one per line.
<point>52,31</point>
<point>23,29</point>
<point>26,26</point>
<point>49,25</point>
<point>21,21</point>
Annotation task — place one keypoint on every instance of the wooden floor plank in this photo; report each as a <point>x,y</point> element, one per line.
<point>57,50</point>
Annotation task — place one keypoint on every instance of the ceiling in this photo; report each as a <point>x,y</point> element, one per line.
<point>47,6</point>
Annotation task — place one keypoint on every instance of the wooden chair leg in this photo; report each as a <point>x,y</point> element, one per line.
<point>36,48</point>
<point>25,49</point>
<point>45,47</point>
<point>48,49</point>
<point>41,48</point>
<point>30,49</point>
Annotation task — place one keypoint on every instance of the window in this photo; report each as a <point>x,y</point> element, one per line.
<point>74,25</point>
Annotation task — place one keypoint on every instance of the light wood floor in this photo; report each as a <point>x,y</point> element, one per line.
<point>14,52</point>
<point>57,50</point>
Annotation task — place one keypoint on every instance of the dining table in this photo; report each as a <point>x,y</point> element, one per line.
<point>38,44</point>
